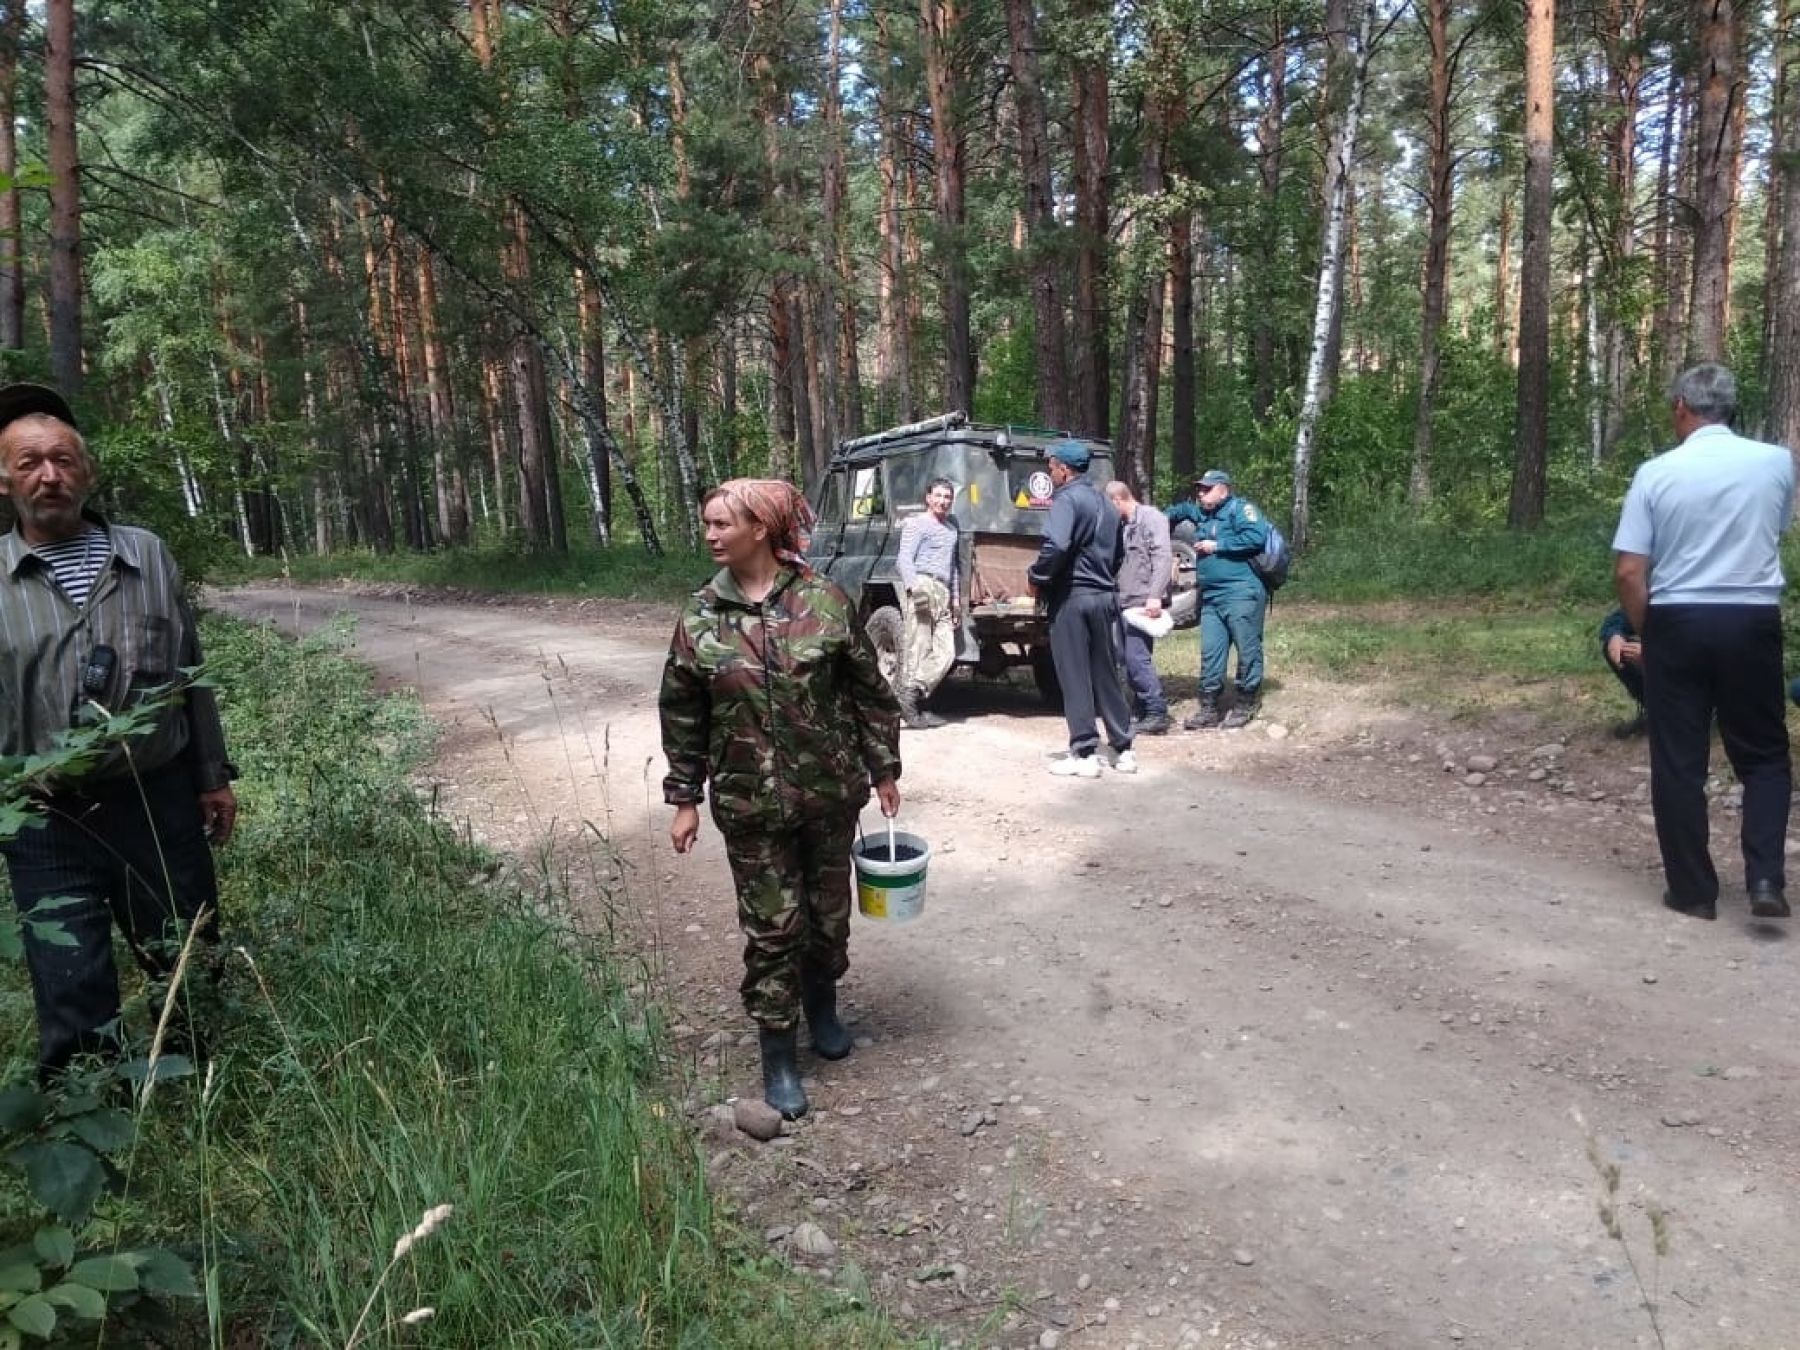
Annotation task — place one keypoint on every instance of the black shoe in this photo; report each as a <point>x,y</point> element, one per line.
<point>818,996</point>
<point>1243,712</point>
<point>1635,726</point>
<point>1768,901</point>
<point>924,721</point>
<point>1156,725</point>
<point>1705,909</point>
<point>781,1077</point>
<point>1206,717</point>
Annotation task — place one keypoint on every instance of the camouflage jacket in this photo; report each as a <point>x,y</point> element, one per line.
<point>780,704</point>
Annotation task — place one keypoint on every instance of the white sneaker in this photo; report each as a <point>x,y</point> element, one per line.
<point>1119,761</point>
<point>1069,766</point>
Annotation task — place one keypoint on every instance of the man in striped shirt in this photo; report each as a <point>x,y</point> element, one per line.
<point>928,566</point>
<point>93,621</point>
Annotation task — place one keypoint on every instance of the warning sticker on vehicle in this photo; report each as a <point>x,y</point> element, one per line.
<point>1031,486</point>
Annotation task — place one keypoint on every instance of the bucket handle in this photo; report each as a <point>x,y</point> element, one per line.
<point>864,839</point>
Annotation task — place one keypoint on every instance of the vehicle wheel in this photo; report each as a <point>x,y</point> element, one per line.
<point>1043,673</point>
<point>1184,594</point>
<point>885,631</point>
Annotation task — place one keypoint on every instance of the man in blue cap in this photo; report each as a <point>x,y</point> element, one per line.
<point>1075,573</point>
<point>1228,533</point>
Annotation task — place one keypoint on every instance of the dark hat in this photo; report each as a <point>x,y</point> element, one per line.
<point>22,400</point>
<point>1073,453</point>
<point>1213,478</point>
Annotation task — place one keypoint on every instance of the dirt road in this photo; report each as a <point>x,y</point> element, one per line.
<point>1279,1042</point>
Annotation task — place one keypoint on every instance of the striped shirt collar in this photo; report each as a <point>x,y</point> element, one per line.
<point>14,551</point>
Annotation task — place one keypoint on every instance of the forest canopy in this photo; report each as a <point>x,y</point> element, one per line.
<point>412,274</point>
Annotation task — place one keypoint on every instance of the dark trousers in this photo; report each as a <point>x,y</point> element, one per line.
<point>133,857</point>
<point>1631,675</point>
<point>1083,646</point>
<point>1140,670</point>
<point>1702,661</point>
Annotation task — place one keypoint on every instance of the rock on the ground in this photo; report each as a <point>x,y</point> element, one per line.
<point>1474,779</point>
<point>756,1118</point>
<point>1243,1256</point>
<point>811,1240</point>
<point>1050,1339</point>
<point>1483,763</point>
<point>1275,731</point>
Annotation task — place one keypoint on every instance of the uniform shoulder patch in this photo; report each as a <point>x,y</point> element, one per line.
<point>1249,512</point>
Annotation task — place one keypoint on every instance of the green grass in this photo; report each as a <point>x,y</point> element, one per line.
<point>409,1025</point>
<point>1454,659</point>
<point>623,572</point>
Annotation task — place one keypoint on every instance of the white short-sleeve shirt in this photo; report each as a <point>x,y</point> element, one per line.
<point>1709,515</point>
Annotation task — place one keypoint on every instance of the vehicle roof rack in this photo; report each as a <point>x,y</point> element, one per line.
<point>944,422</point>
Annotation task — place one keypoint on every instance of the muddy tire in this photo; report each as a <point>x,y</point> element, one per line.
<point>885,631</point>
<point>1043,674</point>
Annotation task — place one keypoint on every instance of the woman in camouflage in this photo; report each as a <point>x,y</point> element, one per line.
<point>771,694</point>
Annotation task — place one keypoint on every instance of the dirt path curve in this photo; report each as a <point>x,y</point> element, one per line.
<point>1199,1056</point>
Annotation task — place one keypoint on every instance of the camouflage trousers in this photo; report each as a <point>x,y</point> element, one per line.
<point>928,635</point>
<point>793,897</point>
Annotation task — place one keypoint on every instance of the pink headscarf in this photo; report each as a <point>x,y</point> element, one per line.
<point>778,506</point>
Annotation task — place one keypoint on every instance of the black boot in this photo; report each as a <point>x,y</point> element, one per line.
<point>1244,711</point>
<point>818,995</point>
<point>781,1076</point>
<point>1207,716</point>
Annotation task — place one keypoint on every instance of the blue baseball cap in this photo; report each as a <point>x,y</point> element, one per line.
<point>1072,453</point>
<point>1214,478</point>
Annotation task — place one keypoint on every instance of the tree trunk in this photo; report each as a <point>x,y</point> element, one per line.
<point>1050,343</point>
<point>1720,89</point>
<point>1339,68</point>
<point>1092,411</point>
<point>1532,422</point>
<point>12,251</point>
<point>838,300</point>
<point>940,33</point>
<point>1784,294</point>
<point>893,337</point>
<point>1674,180</point>
<point>65,196</point>
<point>1343,150</point>
<point>452,516</point>
<point>1181,306</point>
<point>1505,348</point>
<point>593,373</point>
<point>1438,203</point>
<point>1269,129</point>
<point>1134,457</point>
<point>1625,70</point>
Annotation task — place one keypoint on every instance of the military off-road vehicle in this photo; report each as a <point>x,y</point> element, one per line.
<point>1002,496</point>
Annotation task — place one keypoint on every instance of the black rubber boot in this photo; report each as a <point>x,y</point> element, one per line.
<point>818,996</point>
<point>781,1076</point>
<point>1207,716</point>
<point>1243,712</point>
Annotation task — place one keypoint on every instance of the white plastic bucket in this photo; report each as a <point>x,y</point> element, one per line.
<point>891,890</point>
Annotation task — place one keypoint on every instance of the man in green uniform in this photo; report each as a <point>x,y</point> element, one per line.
<point>1229,532</point>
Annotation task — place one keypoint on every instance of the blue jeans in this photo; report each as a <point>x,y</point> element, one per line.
<point>1232,621</point>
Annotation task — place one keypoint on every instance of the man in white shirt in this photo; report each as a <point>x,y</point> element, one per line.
<point>1698,571</point>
